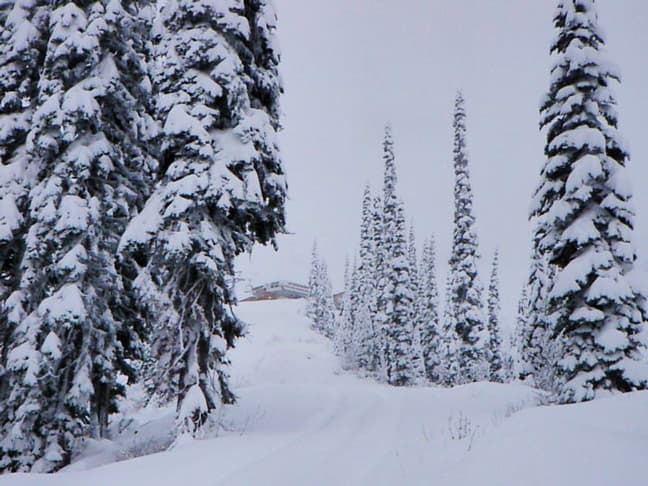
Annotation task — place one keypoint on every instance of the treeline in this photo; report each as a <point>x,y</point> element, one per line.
<point>581,330</point>
<point>391,324</point>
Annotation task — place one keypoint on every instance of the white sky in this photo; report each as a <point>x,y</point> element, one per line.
<point>350,66</point>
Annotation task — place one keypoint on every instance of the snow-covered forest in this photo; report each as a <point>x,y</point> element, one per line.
<point>141,163</point>
<point>138,159</point>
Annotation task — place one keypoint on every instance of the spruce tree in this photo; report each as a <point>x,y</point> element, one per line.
<point>220,189</point>
<point>418,362</point>
<point>23,26</point>
<point>394,295</point>
<point>448,366</point>
<point>585,219</point>
<point>87,146</point>
<point>537,347</point>
<point>368,346</point>
<point>343,340</point>
<point>412,259</point>
<point>377,286</point>
<point>386,216</point>
<point>324,320</point>
<point>313,283</point>
<point>428,312</point>
<point>522,369</point>
<point>495,357</point>
<point>400,367</point>
<point>464,297</point>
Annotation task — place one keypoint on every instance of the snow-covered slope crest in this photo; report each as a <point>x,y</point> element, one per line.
<point>604,442</point>
<point>301,421</point>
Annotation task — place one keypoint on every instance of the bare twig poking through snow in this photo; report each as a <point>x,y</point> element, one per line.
<point>460,427</point>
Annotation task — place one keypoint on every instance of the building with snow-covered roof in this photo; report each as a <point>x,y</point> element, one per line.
<point>281,289</point>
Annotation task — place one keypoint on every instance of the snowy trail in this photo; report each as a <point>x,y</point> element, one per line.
<point>301,421</point>
<point>356,431</point>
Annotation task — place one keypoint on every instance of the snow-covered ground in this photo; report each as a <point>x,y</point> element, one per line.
<point>301,421</point>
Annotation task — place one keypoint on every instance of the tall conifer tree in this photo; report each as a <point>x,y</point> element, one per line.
<point>464,298</point>
<point>584,217</point>
<point>418,362</point>
<point>400,366</point>
<point>495,357</point>
<point>70,316</point>
<point>220,189</point>
<point>428,312</point>
<point>368,345</point>
<point>22,48</point>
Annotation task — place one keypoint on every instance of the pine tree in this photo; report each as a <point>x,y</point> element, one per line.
<point>418,363</point>
<point>324,321</point>
<point>583,211</point>
<point>400,367</point>
<point>87,146</point>
<point>521,367</point>
<point>313,283</point>
<point>412,259</point>
<point>386,216</point>
<point>428,313</point>
<point>464,307</point>
<point>22,47</point>
<point>368,349</point>
<point>377,284</point>
<point>220,189</point>
<point>320,307</point>
<point>448,373</point>
<point>495,357</point>
<point>538,349</point>
<point>394,297</point>
<point>24,25</point>
<point>343,340</point>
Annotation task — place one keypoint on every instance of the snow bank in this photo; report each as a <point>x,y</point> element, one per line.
<point>596,443</point>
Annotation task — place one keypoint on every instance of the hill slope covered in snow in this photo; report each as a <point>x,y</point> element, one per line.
<point>300,420</point>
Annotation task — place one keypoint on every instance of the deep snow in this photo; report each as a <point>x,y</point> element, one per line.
<point>300,420</point>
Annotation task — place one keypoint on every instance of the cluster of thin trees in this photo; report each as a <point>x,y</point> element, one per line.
<point>390,323</point>
<point>581,330</point>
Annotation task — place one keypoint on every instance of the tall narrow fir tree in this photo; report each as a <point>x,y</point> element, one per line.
<point>495,357</point>
<point>464,297</point>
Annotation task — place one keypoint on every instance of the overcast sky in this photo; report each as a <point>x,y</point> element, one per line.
<point>351,66</point>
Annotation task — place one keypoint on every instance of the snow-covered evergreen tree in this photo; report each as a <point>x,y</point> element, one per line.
<point>538,350</point>
<point>521,368</point>
<point>464,297</point>
<point>418,363</point>
<point>69,313</point>
<point>394,299</point>
<point>220,189</point>
<point>584,217</point>
<point>447,370</point>
<point>368,345</point>
<point>495,357</point>
<point>324,320</point>
<point>313,283</point>
<point>378,282</point>
<point>320,308</point>
<point>412,259</point>
<point>428,312</point>
<point>344,330</point>
<point>400,367</point>
<point>22,48</point>
<point>386,216</point>
<point>23,26</point>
